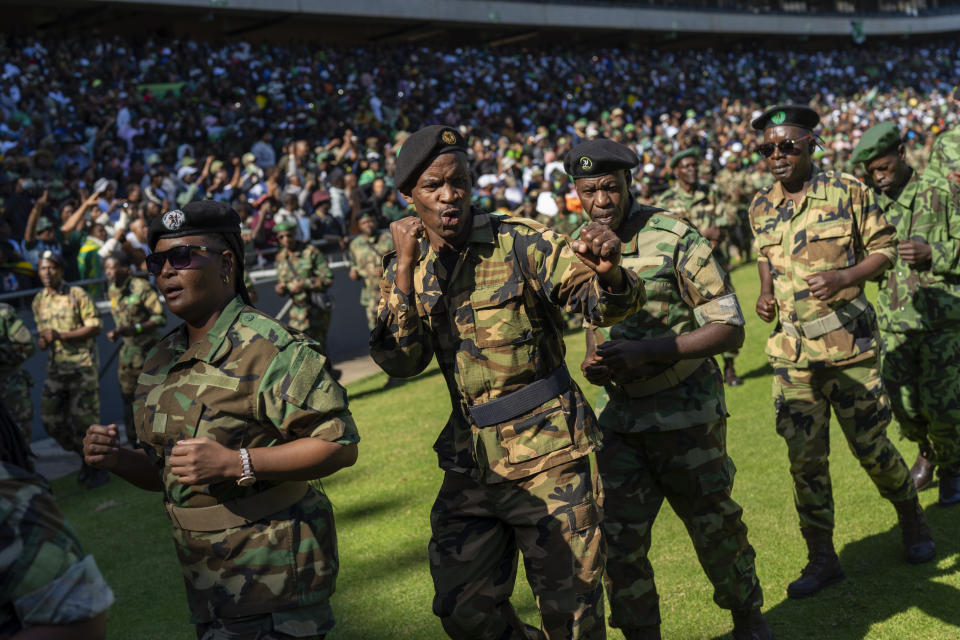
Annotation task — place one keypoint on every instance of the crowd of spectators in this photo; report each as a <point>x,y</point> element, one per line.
<point>98,136</point>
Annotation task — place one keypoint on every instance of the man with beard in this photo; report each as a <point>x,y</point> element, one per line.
<point>919,306</point>
<point>662,410</point>
<point>820,236</point>
<point>699,205</point>
<point>484,293</point>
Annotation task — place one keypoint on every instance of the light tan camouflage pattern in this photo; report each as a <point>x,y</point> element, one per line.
<point>45,577</point>
<point>366,257</point>
<point>836,225</point>
<point>306,264</point>
<point>249,382</point>
<point>65,310</point>
<point>16,347</point>
<point>494,324</point>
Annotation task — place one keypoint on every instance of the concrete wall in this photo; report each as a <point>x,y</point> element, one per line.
<point>557,16</point>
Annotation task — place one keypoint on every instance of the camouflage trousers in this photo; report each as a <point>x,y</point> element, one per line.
<point>370,299</point>
<point>802,400</point>
<point>129,366</point>
<point>17,400</point>
<point>69,404</point>
<point>924,394</point>
<point>691,470</point>
<point>552,517</point>
<point>312,321</point>
<point>302,623</point>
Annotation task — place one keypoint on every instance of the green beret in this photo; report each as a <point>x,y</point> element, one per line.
<point>794,115</point>
<point>692,152</point>
<point>420,149</point>
<point>366,214</point>
<point>875,141</point>
<point>598,157</point>
<point>43,223</point>
<point>285,224</point>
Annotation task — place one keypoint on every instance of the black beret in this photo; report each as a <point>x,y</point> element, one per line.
<point>692,152</point>
<point>598,157</point>
<point>420,149</point>
<point>196,218</point>
<point>794,115</point>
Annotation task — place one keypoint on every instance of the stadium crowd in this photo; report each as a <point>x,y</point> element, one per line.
<point>100,136</point>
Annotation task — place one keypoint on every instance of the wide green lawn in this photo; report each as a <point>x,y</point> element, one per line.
<point>382,507</point>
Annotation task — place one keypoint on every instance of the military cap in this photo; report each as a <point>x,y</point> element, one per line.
<point>875,141</point>
<point>692,152</point>
<point>285,224</point>
<point>794,115</point>
<point>53,256</point>
<point>196,218</point>
<point>421,148</point>
<point>598,157</point>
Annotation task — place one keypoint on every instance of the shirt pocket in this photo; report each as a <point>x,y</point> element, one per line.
<point>499,315</point>
<point>544,430</point>
<point>830,246</point>
<point>769,245</point>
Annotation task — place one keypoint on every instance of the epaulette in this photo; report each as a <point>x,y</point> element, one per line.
<point>266,326</point>
<point>524,222</point>
<point>666,221</point>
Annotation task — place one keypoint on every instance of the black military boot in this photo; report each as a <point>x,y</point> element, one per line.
<point>918,544</point>
<point>650,632</point>
<point>823,566</point>
<point>750,625</point>
<point>921,472</point>
<point>949,487</point>
<point>730,374</point>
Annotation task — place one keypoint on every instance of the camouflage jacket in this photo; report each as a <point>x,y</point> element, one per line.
<point>249,382</point>
<point>686,288</point>
<point>136,301</point>
<point>925,297</point>
<point>837,225</point>
<point>65,310</point>
<point>366,256</point>
<point>733,187</point>
<point>701,209</point>
<point>945,155</point>
<point>45,577</point>
<point>307,264</point>
<point>495,325</point>
<point>16,345</point>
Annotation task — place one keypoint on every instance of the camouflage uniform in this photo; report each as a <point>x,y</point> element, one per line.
<point>836,225</point>
<point>71,393</point>
<point>249,383</point>
<point>308,265</point>
<point>945,155</point>
<point>134,302</point>
<point>665,434</point>
<point>918,311</point>
<point>16,346</point>
<point>366,255</point>
<point>45,577</point>
<point>493,320</point>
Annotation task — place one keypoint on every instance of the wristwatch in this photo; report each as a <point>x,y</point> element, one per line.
<point>247,477</point>
<point>138,328</point>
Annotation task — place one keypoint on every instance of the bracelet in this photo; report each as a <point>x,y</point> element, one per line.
<point>138,328</point>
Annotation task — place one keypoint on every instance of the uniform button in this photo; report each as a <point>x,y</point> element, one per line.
<point>902,308</point>
<point>403,307</point>
<point>899,273</point>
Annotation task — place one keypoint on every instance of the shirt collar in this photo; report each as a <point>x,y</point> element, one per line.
<point>817,188</point>
<point>213,345</point>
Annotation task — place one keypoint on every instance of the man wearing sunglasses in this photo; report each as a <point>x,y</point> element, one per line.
<point>303,270</point>
<point>820,236</point>
<point>918,308</point>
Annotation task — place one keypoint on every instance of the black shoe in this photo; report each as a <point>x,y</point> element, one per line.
<point>823,566</point>
<point>651,632</point>
<point>751,625</point>
<point>921,472</point>
<point>84,473</point>
<point>949,488</point>
<point>97,478</point>
<point>918,543</point>
<point>730,375</point>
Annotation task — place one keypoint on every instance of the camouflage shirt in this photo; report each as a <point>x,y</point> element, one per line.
<point>45,577</point>
<point>307,264</point>
<point>65,310</point>
<point>686,288</point>
<point>945,155</point>
<point>136,301</point>
<point>836,225</point>
<point>16,345</point>
<point>702,209</point>
<point>366,256</point>
<point>493,319</point>
<point>249,382</point>
<point>924,297</point>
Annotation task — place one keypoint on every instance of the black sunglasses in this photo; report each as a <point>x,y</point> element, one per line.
<point>788,147</point>
<point>179,257</point>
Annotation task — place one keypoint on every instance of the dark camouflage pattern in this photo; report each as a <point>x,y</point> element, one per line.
<point>45,577</point>
<point>249,382</point>
<point>803,399</point>
<point>685,288</point>
<point>689,468</point>
<point>134,301</point>
<point>16,347</point>
<point>303,623</point>
<point>494,323</point>
<point>308,265</point>
<point>366,257</point>
<point>477,528</point>
<point>837,224</point>
<point>70,401</point>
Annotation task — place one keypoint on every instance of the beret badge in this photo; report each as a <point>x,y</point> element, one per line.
<point>586,163</point>
<point>448,137</point>
<point>778,117</point>
<point>173,220</point>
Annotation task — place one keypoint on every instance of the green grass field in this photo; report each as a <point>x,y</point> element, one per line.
<point>382,506</point>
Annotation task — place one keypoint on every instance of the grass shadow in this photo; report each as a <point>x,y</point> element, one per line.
<point>354,396</point>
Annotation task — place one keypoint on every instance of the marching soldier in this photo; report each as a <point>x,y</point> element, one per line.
<point>304,275</point>
<point>366,262</point>
<point>16,347</point>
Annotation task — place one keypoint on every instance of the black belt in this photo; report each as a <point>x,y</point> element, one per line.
<point>522,400</point>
